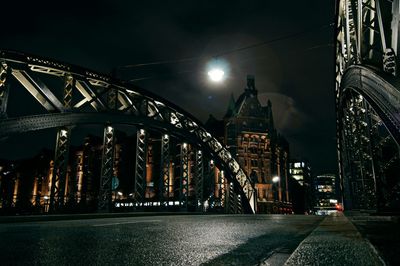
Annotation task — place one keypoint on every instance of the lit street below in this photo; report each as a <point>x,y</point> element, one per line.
<point>156,240</point>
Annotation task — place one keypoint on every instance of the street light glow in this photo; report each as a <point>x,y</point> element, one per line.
<point>275,179</point>
<point>216,74</point>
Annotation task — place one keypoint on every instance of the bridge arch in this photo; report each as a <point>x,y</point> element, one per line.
<point>368,103</point>
<point>92,98</point>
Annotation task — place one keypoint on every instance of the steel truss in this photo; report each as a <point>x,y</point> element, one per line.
<point>367,99</point>
<point>98,98</point>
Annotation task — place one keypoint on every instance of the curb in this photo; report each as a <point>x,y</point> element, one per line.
<point>335,241</point>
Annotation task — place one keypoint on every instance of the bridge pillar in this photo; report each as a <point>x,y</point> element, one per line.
<point>59,169</point>
<point>231,201</point>
<point>199,180</point>
<point>140,167</point>
<point>184,176</point>
<point>107,168</point>
<point>58,181</point>
<point>164,171</point>
<point>222,188</point>
<point>4,89</point>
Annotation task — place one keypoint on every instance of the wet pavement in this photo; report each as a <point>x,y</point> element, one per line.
<point>335,241</point>
<point>156,240</point>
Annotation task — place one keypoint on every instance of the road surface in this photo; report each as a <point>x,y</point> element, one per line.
<point>156,240</point>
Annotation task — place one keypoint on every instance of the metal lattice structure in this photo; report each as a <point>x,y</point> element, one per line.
<point>93,98</point>
<point>368,102</point>
<point>165,165</point>
<point>140,167</point>
<point>184,176</point>
<point>59,169</point>
<point>199,180</point>
<point>107,167</point>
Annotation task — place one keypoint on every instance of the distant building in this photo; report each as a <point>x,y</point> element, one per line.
<point>325,194</point>
<point>303,198</point>
<point>249,133</point>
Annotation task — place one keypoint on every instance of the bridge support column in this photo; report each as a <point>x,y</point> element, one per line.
<point>184,176</point>
<point>199,181</point>
<point>58,181</point>
<point>4,89</point>
<point>164,171</point>
<point>222,188</point>
<point>60,169</point>
<point>140,167</point>
<point>231,200</point>
<point>107,168</point>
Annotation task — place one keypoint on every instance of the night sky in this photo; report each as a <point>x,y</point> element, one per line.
<point>296,74</point>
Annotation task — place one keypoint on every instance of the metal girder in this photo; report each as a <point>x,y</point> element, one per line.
<point>38,90</point>
<point>140,167</point>
<point>184,176</point>
<point>60,169</point>
<point>112,99</point>
<point>164,171</point>
<point>199,180</point>
<point>4,89</point>
<point>69,85</point>
<point>361,34</point>
<point>107,169</point>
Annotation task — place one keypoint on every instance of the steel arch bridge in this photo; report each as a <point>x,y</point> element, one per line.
<point>368,103</point>
<point>86,97</point>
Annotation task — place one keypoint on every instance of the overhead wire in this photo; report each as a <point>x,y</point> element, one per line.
<point>255,45</point>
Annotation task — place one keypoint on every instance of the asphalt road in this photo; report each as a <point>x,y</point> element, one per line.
<point>155,240</point>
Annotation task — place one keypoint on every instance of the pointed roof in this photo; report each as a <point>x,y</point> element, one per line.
<point>249,107</point>
<point>231,107</point>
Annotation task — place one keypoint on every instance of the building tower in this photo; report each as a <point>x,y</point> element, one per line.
<point>250,135</point>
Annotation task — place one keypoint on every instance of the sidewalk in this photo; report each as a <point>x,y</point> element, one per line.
<point>335,242</point>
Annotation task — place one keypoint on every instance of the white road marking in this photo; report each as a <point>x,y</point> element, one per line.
<point>131,222</point>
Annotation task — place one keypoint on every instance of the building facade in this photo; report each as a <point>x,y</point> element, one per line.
<point>302,186</point>
<point>325,194</point>
<point>248,131</point>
